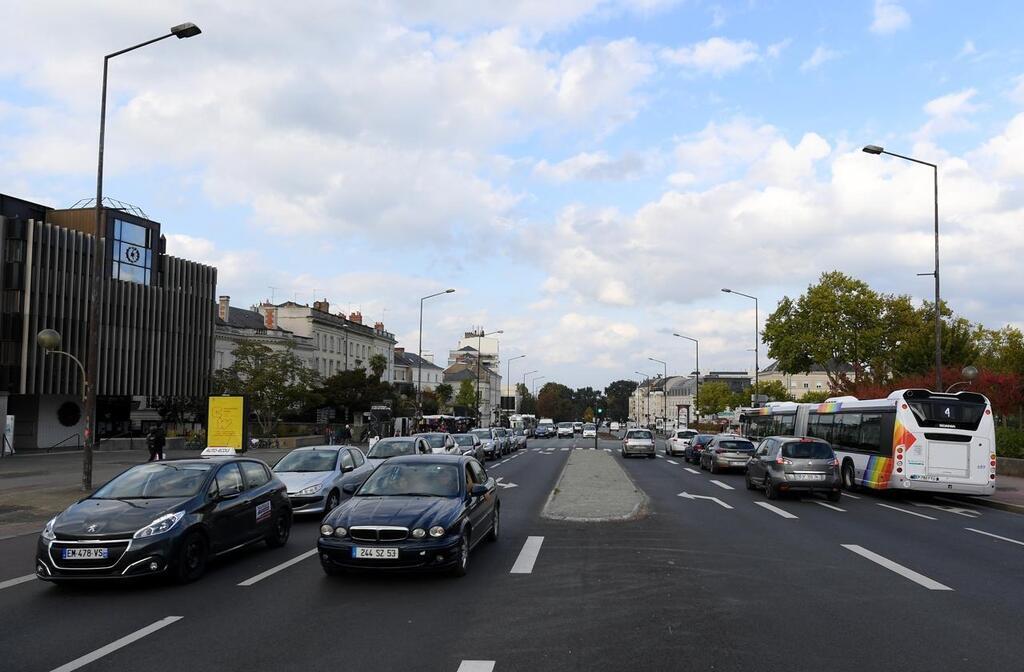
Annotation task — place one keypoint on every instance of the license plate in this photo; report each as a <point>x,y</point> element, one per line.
<point>375,553</point>
<point>84,554</point>
<point>809,477</point>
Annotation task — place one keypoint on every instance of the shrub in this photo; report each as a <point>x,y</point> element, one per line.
<point>1009,442</point>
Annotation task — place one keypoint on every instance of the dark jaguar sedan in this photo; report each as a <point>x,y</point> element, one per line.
<point>165,518</point>
<point>416,512</point>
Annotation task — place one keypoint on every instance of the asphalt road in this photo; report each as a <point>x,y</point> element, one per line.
<point>692,586</point>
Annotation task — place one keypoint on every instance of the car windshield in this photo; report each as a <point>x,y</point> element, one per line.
<point>307,460</point>
<point>482,433</point>
<point>685,434</point>
<point>386,448</point>
<point>154,480</point>
<point>807,450</point>
<point>499,432</point>
<point>435,440</point>
<point>740,446</point>
<point>410,480</point>
<point>464,439</point>
<point>565,425</point>
<point>589,425</point>
<point>639,434</point>
<point>518,431</point>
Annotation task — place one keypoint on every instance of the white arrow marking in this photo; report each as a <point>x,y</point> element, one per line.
<point>716,500</point>
<point>499,482</point>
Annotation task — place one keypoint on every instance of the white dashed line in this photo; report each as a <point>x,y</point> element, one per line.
<point>275,570</point>
<point>527,556</point>
<point>672,462</point>
<point>912,513</point>
<point>692,471</point>
<point>14,582</point>
<point>776,510</point>
<point>827,505</point>
<point>724,486</point>
<point>119,644</point>
<point>476,666</point>
<point>846,494</point>
<point>906,573</point>
<point>995,536</point>
<point>564,449</point>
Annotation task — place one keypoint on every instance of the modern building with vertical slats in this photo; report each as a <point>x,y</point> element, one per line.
<point>156,326</point>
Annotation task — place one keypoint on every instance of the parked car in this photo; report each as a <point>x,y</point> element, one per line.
<point>589,430</point>
<point>394,446</point>
<point>565,430</point>
<point>519,436</point>
<point>676,444</point>
<point>490,443</point>
<point>692,451</point>
<point>726,451</point>
<point>440,442</point>
<point>165,518</point>
<point>315,475</point>
<point>544,431</point>
<point>614,426</point>
<point>505,438</point>
<point>469,444</point>
<point>577,427</point>
<point>413,513</point>
<point>638,442</point>
<point>786,464</point>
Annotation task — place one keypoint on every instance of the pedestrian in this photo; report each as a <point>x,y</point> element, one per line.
<point>155,440</point>
<point>346,433</point>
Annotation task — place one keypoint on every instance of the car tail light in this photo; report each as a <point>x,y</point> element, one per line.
<point>835,461</point>
<point>781,460</point>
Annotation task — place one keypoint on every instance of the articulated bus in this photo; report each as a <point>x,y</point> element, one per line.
<point>911,440</point>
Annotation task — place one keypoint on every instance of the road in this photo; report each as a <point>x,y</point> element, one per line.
<point>869,583</point>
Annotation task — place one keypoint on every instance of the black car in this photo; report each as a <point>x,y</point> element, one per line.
<point>165,518</point>
<point>417,512</point>
<point>697,445</point>
<point>544,431</point>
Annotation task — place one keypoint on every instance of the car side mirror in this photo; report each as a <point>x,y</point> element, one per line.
<point>225,496</point>
<point>478,490</point>
<point>345,468</point>
<point>349,488</point>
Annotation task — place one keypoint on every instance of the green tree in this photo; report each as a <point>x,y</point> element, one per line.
<point>1000,350</point>
<point>527,402</point>
<point>715,398</point>
<point>429,401</point>
<point>443,392</point>
<point>467,394</point>
<point>274,382</point>
<point>588,414</point>
<point>617,399</point>
<point>775,391</point>
<point>555,401</point>
<point>584,398</point>
<point>378,364</point>
<point>815,397</point>
<point>917,353</point>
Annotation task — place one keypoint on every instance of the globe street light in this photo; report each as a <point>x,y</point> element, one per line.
<point>92,357</point>
<point>49,341</point>
<point>696,396</point>
<point>876,150</point>
<point>757,345</point>
<point>419,363</point>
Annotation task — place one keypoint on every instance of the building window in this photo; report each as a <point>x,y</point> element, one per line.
<point>132,259</point>
<point>806,385</point>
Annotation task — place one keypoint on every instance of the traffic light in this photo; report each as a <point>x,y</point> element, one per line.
<point>600,411</point>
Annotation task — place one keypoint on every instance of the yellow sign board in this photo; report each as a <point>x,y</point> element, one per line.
<point>226,426</point>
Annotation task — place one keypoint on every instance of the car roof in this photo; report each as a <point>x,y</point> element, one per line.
<point>435,458</point>
<point>404,439</point>
<point>430,433</point>
<point>330,447</point>
<point>216,459</point>
<point>790,439</point>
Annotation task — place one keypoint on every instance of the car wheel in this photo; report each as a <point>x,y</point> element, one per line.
<point>333,499</point>
<point>746,479</point>
<point>769,489</point>
<point>462,564</point>
<point>282,530</point>
<point>495,523</point>
<point>193,552</point>
<point>848,478</point>
<point>714,466</point>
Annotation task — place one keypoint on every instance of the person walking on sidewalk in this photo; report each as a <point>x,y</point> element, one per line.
<point>156,441</point>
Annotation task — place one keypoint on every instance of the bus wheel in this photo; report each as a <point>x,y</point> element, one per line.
<point>848,482</point>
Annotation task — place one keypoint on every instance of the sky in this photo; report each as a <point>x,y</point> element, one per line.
<point>586,174</point>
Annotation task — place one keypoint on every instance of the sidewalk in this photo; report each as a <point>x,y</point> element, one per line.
<point>594,488</point>
<point>1009,495</point>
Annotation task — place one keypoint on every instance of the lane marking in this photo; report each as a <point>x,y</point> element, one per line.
<point>607,450</point>
<point>14,582</point>
<point>827,505</point>
<point>905,572</point>
<point>716,500</point>
<point>476,666</point>
<point>776,510</point>
<point>960,511</point>
<point>724,486</point>
<point>995,536</point>
<point>846,494</point>
<point>912,513</point>
<point>692,471</point>
<point>278,568</point>
<point>564,449</point>
<point>527,556</point>
<point>672,462</point>
<point>118,644</point>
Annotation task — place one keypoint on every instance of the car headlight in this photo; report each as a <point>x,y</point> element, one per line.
<point>160,525</point>
<point>339,531</point>
<point>48,530</point>
<point>419,533</point>
<point>326,530</point>
<point>437,531</point>
<point>311,490</point>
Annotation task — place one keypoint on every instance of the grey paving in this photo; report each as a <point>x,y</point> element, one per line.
<point>594,488</point>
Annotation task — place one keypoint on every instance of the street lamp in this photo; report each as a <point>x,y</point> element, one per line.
<point>875,149</point>
<point>419,363</point>
<point>664,394</point>
<point>533,384</point>
<point>180,31</point>
<point>480,335</point>
<point>647,406</point>
<point>757,345</point>
<point>696,396</point>
<point>526,389</point>
<point>49,341</point>
<point>508,377</point>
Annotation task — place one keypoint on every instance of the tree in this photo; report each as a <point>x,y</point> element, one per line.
<point>428,399</point>
<point>815,396</point>
<point>555,401</point>
<point>378,364</point>
<point>1000,350</point>
<point>775,391</point>
<point>715,398</point>
<point>527,402</point>
<point>274,382</point>
<point>176,410</point>
<point>443,393</point>
<point>467,394</point>
<point>583,398</point>
<point>588,414</point>
<point>617,399</point>
<point>917,353</point>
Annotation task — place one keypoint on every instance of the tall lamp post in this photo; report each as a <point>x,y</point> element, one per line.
<point>533,384</point>
<point>664,394</point>
<point>96,272</point>
<point>419,353</point>
<point>647,406</point>
<point>508,377</point>
<point>875,149</point>
<point>696,396</point>
<point>479,337</point>
<point>49,341</point>
<point>757,345</point>
<point>526,389</point>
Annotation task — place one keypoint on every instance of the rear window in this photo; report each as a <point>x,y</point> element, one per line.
<point>639,434</point>
<point>736,445</point>
<point>951,413</point>
<point>807,450</point>
<point>686,434</point>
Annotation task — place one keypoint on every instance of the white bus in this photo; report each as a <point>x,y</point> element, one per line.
<point>911,440</point>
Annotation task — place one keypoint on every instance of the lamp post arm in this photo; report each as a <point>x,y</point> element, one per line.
<point>909,158</point>
<point>81,367</point>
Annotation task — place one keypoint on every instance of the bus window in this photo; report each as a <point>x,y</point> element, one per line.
<point>820,426</point>
<point>786,425</point>
<point>846,433</point>
<point>871,433</point>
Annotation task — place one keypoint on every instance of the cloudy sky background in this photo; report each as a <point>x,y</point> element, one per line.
<point>587,174</point>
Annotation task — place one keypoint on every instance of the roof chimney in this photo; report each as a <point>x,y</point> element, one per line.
<point>378,327</point>
<point>400,351</point>
<point>323,306</point>
<point>269,315</point>
<point>223,304</point>
<point>356,317</point>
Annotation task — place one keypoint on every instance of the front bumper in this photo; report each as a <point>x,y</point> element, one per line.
<point>128,558</point>
<point>412,554</point>
<point>308,503</point>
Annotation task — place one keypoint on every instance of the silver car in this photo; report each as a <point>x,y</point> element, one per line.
<point>638,442</point>
<point>316,476</point>
<point>787,464</point>
<point>726,451</point>
<point>470,444</point>
<point>440,442</point>
<point>395,446</point>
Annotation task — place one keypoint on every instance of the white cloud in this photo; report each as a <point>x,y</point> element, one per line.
<point>948,114</point>
<point>889,17</point>
<point>775,49</point>
<point>819,57</point>
<point>598,166</point>
<point>1016,94</point>
<point>967,50</point>
<point>716,56</point>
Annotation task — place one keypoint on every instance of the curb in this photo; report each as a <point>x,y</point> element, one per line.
<point>639,511</point>
<point>993,504</point>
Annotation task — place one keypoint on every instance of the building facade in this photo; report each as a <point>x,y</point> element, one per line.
<point>156,320</point>
<point>235,326</point>
<point>413,370</point>
<point>490,386</point>
<point>799,384</point>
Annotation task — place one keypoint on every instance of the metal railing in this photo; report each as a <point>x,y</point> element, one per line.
<point>76,437</point>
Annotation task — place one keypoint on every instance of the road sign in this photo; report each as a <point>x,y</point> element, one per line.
<point>716,500</point>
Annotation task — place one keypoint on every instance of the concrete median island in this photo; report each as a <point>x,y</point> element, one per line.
<point>593,488</point>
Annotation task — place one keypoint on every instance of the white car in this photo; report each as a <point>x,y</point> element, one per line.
<point>614,427</point>
<point>680,439</point>
<point>589,430</point>
<point>638,442</point>
<point>565,429</point>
